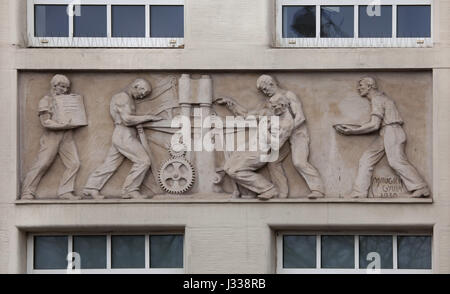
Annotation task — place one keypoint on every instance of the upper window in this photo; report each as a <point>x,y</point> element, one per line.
<point>354,23</point>
<point>106,23</point>
<point>110,253</point>
<point>350,253</point>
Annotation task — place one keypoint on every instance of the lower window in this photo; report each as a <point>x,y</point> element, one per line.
<point>354,253</point>
<point>105,253</point>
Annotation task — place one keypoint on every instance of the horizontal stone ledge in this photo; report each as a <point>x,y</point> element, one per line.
<point>190,200</point>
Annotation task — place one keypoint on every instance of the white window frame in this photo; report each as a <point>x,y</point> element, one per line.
<point>318,42</point>
<point>103,42</point>
<point>108,269</point>
<point>356,269</point>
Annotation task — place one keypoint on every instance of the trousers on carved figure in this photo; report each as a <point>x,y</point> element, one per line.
<point>300,154</point>
<point>53,143</point>
<point>242,167</point>
<point>277,173</point>
<point>125,144</point>
<point>391,142</point>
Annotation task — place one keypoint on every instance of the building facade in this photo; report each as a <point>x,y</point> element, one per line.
<point>383,191</point>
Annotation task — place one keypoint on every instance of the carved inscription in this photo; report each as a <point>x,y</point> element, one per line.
<point>387,187</point>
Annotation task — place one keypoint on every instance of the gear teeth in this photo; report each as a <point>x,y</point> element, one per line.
<point>180,153</point>
<point>190,177</point>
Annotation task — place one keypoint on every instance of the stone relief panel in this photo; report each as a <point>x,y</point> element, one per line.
<point>118,135</point>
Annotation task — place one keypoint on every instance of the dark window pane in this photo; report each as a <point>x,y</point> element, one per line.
<point>372,25</point>
<point>91,21</point>
<point>166,251</point>
<point>50,252</point>
<point>299,252</point>
<point>167,21</point>
<point>338,252</point>
<point>92,250</point>
<point>51,21</point>
<point>128,251</point>
<point>128,20</point>
<point>299,21</point>
<point>379,244</point>
<point>337,21</point>
<point>413,21</point>
<point>414,252</point>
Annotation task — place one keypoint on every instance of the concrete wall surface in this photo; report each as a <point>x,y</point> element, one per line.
<point>233,41</point>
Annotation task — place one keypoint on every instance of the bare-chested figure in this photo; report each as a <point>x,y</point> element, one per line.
<point>125,144</point>
<point>243,166</point>
<point>299,139</point>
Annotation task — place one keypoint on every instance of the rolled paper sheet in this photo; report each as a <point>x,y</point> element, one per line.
<point>184,89</point>
<point>205,90</point>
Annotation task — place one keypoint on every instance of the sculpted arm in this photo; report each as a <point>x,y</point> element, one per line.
<point>239,110</point>
<point>373,125</point>
<point>297,109</point>
<point>50,124</point>
<point>128,117</point>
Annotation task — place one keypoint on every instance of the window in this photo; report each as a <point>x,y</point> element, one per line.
<point>354,23</point>
<point>106,23</point>
<point>353,253</point>
<point>50,21</point>
<point>128,21</point>
<point>106,253</point>
<point>90,22</point>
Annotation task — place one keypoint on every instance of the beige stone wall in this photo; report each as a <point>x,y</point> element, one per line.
<point>327,98</point>
<point>220,237</point>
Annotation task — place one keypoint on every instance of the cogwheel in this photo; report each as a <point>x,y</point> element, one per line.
<point>177,150</point>
<point>176,175</point>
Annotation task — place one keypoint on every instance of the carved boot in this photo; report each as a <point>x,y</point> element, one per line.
<point>269,194</point>
<point>134,195</point>
<point>69,196</point>
<point>93,193</point>
<point>355,194</point>
<point>421,193</point>
<point>27,196</point>
<point>315,195</point>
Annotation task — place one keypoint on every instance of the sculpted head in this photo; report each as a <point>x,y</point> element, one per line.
<point>279,105</point>
<point>140,88</point>
<point>366,85</point>
<point>60,85</point>
<point>267,85</point>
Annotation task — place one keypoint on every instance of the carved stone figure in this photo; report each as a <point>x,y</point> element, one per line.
<point>299,140</point>
<point>125,143</point>
<point>392,140</point>
<point>243,166</point>
<point>59,113</point>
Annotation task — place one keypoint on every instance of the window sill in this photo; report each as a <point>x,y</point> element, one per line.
<point>354,43</point>
<point>54,42</point>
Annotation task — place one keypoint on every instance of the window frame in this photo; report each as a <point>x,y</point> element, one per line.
<point>356,269</point>
<point>108,269</point>
<point>103,42</point>
<point>355,42</point>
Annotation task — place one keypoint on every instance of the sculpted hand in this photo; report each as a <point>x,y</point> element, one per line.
<point>344,129</point>
<point>140,129</point>
<point>224,100</point>
<point>154,118</point>
<point>66,123</point>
